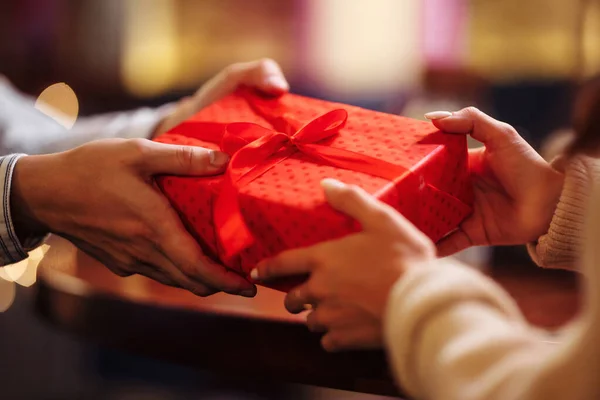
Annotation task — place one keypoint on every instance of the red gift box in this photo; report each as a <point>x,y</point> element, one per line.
<point>270,199</point>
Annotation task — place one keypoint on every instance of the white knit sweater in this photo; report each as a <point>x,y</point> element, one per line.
<point>453,334</point>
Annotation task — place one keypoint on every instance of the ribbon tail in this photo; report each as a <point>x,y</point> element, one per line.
<point>232,233</point>
<point>231,229</point>
<point>346,159</point>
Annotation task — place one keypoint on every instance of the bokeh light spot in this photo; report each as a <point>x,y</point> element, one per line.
<point>60,103</point>
<point>23,273</point>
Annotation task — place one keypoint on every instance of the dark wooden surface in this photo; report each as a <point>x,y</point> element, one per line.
<point>237,336</point>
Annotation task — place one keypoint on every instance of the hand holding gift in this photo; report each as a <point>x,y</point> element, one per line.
<point>516,190</point>
<point>350,278</point>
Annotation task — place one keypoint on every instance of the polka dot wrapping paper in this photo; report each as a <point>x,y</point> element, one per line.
<point>282,206</point>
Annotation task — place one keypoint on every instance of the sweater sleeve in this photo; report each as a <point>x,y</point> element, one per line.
<point>451,333</point>
<point>561,245</point>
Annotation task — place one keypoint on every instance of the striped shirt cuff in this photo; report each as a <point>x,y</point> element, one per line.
<point>11,250</point>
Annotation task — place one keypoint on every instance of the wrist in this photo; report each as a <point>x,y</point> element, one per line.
<point>30,191</point>
<point>173,114</point>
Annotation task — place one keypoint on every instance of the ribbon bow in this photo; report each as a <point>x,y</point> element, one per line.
<point>256,149</point>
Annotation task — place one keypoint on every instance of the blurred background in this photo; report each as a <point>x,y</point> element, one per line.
<point>518,61</point>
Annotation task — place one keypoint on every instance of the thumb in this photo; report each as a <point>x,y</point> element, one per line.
<point>373,215</point>
<point>160,158</point>
<point>480,126</point>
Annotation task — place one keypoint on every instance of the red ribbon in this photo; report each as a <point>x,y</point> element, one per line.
<point>256,149</point>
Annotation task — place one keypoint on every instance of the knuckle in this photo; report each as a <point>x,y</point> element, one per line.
<point>232,71</point>
<point>293,306</point>
<point>350,195</point>
<point>267,64</point>
<point>139,233</point>
<point>185,157</point>
<point>197,288</point>
<point>384,215</point>
<point>331,342</point>
<point>189,270</point>
<point>123,265</point>
<point>472,111</point>
<point>231,283</point>
<point>138,148</point>
<point>427,248</point>
<point>314,291</point>
<point>353,192</point>
<point>427,243</point>
<point>507,130</point>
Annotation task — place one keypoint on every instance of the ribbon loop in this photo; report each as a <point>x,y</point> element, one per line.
<point>322,127</point>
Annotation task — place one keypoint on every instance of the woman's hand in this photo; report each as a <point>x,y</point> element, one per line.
<point>516,191</point>
<point>346,327</point>
<point>264,75</point>
<point>349,279</point>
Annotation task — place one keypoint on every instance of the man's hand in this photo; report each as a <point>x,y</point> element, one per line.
<point>516,191</point>
<point>264,75</point>
<point>102,197</point>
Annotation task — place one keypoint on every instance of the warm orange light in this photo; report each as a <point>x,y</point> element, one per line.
<point>24,272</point>
<point>7,294</point>
<point>150,47</point>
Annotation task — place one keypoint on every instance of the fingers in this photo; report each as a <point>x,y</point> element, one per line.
<point>159,158</point>
<point>288,263</point>
<point>187,259</point>
<point>163,271</point>
<point>479,125</point>
<point>154,265</point>
<point>155,274</point>
<point>470,233</point>
<point>265,75</point>
<point>372,214</point>
<point>329,316</point>
<point>201,270</point>
<point>361,336</point>
<point>297,299</point>
<point>453,243</point>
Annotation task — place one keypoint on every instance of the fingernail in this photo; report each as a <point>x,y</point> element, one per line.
<point>254,274</point>
<point>218,158</point>
<point>438,115</point>
<point>277,82</point>
<point>330,183</point>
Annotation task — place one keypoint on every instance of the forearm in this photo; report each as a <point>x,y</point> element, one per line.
<point>453,334</point>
